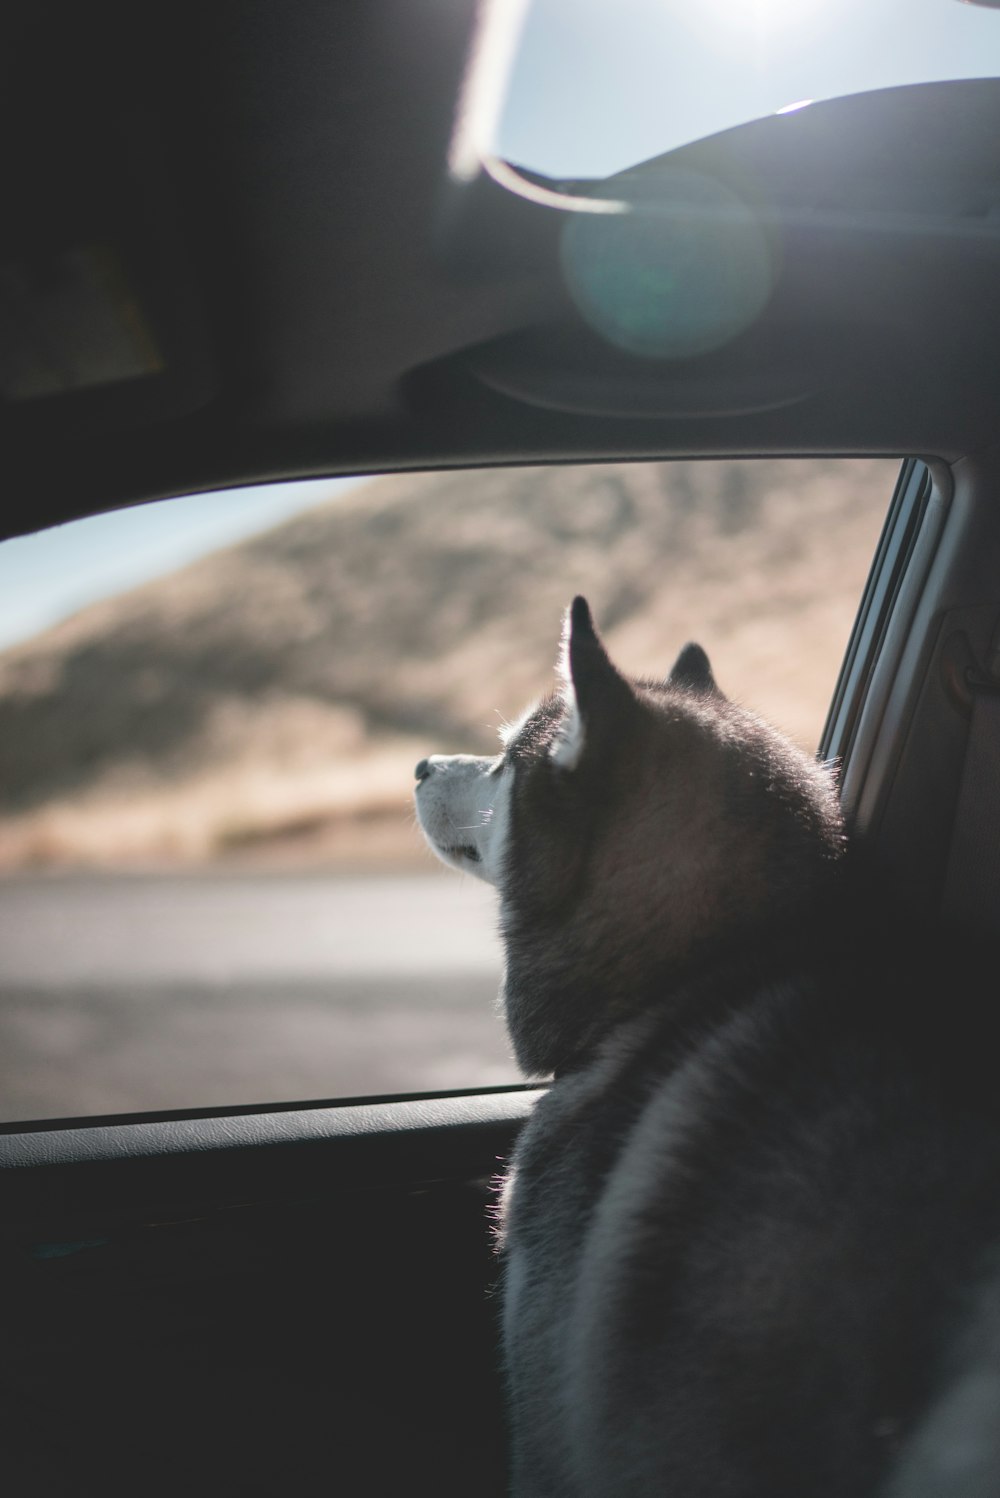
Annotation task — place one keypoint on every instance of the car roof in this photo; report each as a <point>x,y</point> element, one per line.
<point>233,252</point>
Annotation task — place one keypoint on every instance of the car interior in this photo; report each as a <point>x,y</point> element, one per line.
<point>246,243</point>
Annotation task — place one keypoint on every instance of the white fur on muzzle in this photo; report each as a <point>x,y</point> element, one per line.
<point>463,807</point>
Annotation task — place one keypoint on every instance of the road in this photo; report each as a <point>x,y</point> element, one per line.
<point>142,992</point>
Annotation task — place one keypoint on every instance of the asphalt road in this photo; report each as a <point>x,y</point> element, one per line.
<point>144,992</point>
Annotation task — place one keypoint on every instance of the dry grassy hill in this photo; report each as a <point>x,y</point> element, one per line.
<point>275,695</point>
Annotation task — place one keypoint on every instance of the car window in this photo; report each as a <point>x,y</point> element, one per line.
<point>212,889</point>
<point>577,88</point>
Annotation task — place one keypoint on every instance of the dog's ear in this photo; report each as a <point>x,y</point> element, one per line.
<point>593,693</point>
<point>691,670</point>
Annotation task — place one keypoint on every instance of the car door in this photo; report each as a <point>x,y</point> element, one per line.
<point>265,1302</point>
<point>261,1299</point>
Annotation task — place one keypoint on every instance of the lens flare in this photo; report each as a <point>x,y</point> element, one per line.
<point>684,271</point>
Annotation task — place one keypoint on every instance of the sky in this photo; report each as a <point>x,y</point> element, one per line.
<point>595,86</point>
<point>599,85</point>
<point>48,575</point>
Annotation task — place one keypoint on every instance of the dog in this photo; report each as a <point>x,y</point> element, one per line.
<point>749,1233</point>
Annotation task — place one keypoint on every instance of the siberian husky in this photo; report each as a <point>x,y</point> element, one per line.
<point>748,1233</point>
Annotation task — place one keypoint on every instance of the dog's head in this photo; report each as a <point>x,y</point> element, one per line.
<point>631,827</point>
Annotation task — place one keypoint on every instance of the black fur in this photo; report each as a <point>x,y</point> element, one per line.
<point>751,1231</point>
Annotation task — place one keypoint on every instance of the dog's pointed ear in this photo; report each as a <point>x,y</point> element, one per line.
<point>691,670</point>
<point>594,692</point>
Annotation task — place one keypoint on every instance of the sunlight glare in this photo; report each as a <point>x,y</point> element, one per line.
<point>484,87</point>
<point>772,24</point>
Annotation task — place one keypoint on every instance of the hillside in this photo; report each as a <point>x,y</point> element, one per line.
<point>276,694</point>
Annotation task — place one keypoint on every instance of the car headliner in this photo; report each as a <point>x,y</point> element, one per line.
<point>271,182</point>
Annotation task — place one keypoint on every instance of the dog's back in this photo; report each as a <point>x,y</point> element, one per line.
<point>757,1263</point>
<point>749,1234</point>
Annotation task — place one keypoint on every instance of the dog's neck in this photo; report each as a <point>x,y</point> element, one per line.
<point>562,1002</point>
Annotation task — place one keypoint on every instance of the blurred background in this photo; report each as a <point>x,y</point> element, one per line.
<point>212,888</point>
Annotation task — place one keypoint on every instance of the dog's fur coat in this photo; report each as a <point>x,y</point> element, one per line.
<point>749,1233</point>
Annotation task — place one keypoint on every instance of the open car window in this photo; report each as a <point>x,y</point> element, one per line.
<point>593,89</point>
<point>212,889</point>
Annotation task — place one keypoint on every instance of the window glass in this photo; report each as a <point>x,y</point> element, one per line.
<point>590,88</point>
<point>212,888</point>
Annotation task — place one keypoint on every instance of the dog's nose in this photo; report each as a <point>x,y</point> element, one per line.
<point>423,769</point>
